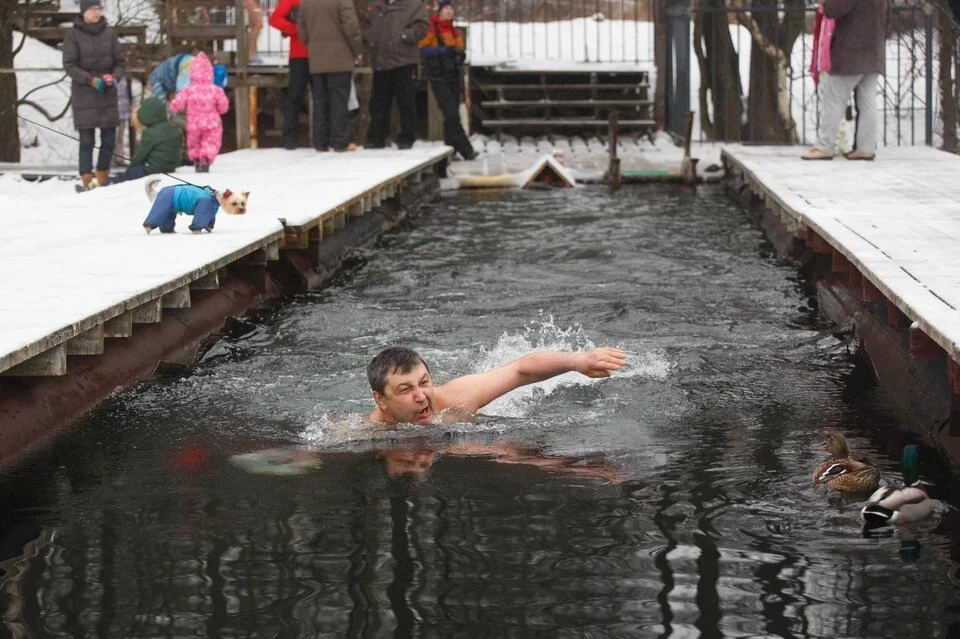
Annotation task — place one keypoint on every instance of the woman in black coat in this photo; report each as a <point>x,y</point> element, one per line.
<point>93,58</point>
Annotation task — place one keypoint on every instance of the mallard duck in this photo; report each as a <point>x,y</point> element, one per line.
<point>900,503</point>
<point>843,473</point>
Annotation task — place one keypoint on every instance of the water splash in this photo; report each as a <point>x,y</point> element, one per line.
<point>543,334</point>
<point>329,429</point>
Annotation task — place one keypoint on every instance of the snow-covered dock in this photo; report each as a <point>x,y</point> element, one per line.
<point>897,220</point>
<point>75,269</point>
<point>887,234</point>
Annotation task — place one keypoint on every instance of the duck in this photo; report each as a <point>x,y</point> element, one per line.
<point>843,473</point>
<point>900,503</point>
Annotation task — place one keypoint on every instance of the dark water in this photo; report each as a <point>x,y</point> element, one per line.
<point>672,500</point>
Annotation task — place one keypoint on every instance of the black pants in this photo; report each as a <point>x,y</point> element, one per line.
<point>399,83</point>
<point>447,93</point>
<point>296,87</point>
<point>331,120</point>
<point>108,138</point>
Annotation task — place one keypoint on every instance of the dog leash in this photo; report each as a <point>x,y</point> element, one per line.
<point>115,154</point>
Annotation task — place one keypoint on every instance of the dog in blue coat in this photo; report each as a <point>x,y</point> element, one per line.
<point>201,202</point>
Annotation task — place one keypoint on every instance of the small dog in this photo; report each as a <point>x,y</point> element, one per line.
<point>202,202</point>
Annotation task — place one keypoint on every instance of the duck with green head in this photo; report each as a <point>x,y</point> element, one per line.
<point>900,503</point>
<point>843,473</point>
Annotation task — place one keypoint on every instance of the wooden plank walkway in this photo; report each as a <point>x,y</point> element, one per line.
<point>75,266</point>
<point>896,219</point>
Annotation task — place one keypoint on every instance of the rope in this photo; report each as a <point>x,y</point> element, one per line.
<point>115,154</point>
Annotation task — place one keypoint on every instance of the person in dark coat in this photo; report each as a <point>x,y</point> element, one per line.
<point>161,144</point>
<point>443,53</point>
<point>94,60</point>
<point>330,31</point>
<point>857,55</point>
<point>393,30</point>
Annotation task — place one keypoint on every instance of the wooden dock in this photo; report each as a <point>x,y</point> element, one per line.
<point>91,303</point>
<point>887,232</point>
<point>81,268</point>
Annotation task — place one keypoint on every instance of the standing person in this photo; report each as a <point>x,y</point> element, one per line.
<point>857,52</point>
<point>254,28</point>
<point>330,31</point>
<point>393,30</point>
<point>284,19</point>
<point>443,53</point>
<point>94,60</point>
<point>203,102</point>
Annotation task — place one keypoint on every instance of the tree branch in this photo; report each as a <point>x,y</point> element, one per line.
<point>50,118</point>
<point>42,86</point>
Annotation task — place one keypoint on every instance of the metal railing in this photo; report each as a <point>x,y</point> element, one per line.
<point>749,79</point>
<point>503,31</point>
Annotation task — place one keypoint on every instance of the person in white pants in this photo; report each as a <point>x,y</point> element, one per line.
<point>857,55</point>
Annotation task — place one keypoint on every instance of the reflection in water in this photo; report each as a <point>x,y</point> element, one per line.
<point>673,500</point>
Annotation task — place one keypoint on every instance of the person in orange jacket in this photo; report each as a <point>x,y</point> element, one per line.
<point>284,19</point>
<point>443,53</point>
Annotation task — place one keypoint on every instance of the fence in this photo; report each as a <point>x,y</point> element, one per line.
<point>507,31</point>
<point>747,78</point>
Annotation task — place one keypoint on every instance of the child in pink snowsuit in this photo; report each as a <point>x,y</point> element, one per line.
<point>204,103</point>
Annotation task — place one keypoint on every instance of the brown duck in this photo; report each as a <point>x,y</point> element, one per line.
<point>843,473</point>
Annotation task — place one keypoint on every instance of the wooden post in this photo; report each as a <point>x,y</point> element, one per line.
<point>688,166</point>
<point>434,116</point>
<point>241,95</point>
<point>467,102</point>
<point>241,92</point>
<point>613,132</point>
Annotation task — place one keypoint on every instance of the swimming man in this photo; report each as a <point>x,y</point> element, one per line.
<point>404,392</point>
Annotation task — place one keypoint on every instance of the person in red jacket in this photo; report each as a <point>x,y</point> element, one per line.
<point>284,19</point>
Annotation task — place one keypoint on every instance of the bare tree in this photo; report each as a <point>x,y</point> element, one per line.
<point>774,28</point>
<point>719,62</point>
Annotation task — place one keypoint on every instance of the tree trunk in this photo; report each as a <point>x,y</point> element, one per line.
<point>769,118</point>
<point>719,62</point>
<point>9,129</point>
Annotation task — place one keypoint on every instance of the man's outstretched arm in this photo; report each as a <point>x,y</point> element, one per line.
<point>473,392</point>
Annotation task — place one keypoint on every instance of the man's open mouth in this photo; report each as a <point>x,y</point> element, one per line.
<point>424,414</point>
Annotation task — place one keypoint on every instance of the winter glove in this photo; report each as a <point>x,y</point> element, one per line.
<point>108,79</point>
<point>97,83</point>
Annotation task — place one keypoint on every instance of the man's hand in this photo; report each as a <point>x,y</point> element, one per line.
<point>601,362</point>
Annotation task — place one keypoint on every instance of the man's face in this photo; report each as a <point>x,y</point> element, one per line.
<point>407,397</point>
<point>446,13</point>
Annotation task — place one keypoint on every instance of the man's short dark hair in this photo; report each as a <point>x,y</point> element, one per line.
<point>394,359</point>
